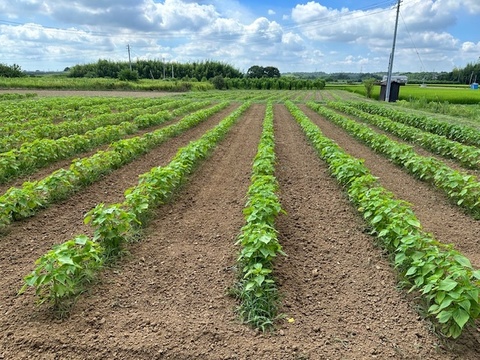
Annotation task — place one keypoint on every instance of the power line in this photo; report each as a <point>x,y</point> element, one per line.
<point>413,43</point>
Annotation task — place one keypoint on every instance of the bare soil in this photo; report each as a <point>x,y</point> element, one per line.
<point>114,93</point>
<point>168,298</point>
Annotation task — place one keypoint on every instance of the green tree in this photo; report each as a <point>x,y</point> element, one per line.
<point>218,82</point>
<point>11,71</point>
<point>128,75</point>
<point>255,72</point>
<point>369,84</point>
<point>271,72</point>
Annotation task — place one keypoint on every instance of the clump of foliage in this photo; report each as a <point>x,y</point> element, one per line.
<point>218,82</point>
<point>128,75</point>
<point>256,288</point>
<point>157,69</point>
<point>11,71</point>
<point>61,274</point>
<point>258,72</point>
<point>369,84</point>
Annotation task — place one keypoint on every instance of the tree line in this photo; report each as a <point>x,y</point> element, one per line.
<point>155,69</point>
<point>467,75</point>
<point>221,75</point>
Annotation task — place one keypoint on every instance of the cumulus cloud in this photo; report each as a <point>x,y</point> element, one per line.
<point>310,36</point>
<point>293,42</point>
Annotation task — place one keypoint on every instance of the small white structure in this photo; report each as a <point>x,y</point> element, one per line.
<point>401,79</point>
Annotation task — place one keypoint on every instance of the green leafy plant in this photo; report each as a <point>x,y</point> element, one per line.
<point>60,274</point>
<point>462,188</point>
<point>256,290</point>
<point>114,226</point>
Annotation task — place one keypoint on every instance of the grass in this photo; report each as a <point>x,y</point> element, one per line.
<point>436,93</point>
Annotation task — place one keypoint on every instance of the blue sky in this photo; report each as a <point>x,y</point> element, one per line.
<point>329,36</point>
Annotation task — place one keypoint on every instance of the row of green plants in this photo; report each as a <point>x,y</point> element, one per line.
<point>19,203</point>
<point>460,133</point>
<point>256,289</point>
<point>468,156</point>
<point>446,280</point>
<point>471,111</point>
<point>105,84</point>
<point>28,113</point>
<point>14,96</point>
<point>67,128</point>
<point>460,187</point>
<point>41,152</point>
<point>62,273</point>
<point>249,95</point>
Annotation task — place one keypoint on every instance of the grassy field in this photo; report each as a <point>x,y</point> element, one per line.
<point>437,93</point>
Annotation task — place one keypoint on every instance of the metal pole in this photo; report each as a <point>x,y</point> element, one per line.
<point>390,64</point>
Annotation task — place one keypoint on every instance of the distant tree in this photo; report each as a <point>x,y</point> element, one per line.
<point>11,71</point>
<point>369,84</point>
<point>128,75</point>
<point>258,72</point>
<point>255,72</point>
<point>271,72</point>
<point>218,82</point>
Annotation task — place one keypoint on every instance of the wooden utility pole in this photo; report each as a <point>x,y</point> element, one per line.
<point>129,59</point>
<point>390,64</point>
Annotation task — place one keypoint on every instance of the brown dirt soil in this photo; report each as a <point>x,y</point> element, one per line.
<point>116,93</point>
<point>168,298</point>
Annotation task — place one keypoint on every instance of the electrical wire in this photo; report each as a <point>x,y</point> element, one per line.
<point>413,43</point>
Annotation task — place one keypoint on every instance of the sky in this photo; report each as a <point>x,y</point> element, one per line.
<point>294,36</point>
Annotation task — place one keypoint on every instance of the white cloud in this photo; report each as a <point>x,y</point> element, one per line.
<point>312,36</point>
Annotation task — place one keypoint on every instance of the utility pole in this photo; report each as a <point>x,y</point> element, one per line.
<point>390,64</point>
<point>163,60</point>
<point>129,59</point>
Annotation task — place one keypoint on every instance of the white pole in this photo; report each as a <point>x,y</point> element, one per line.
<point>390,64</point>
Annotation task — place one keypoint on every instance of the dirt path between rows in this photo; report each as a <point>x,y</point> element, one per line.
<point>102,93</point>
<point>168,298</point>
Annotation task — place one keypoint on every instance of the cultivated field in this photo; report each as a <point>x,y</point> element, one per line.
<point>357,234</point>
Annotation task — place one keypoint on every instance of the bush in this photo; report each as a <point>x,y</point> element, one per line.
<point>218,82</point>
<point>11,71</point>
<point>128,75</point>
<point>369,84</point>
